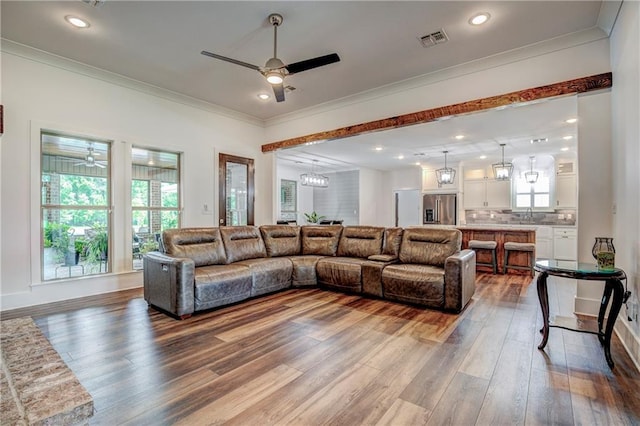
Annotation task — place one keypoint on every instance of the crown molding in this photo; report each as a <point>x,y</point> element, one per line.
<point>609,10</point>
<point>482,64</point>
<point>26,52</point>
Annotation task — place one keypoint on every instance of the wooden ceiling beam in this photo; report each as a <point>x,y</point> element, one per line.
<point>579,85</point>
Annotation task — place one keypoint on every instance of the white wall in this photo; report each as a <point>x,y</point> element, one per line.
<point>625,110</point>
<point>36,94</point>
<point>370,198</point>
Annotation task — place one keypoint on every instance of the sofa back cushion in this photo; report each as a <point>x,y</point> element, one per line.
<point>203,245</point>
<point>360,241</point>
<point>242,242</point>
<point>392,241</point>
<point>320,240</point>
<point>429,246</point>
<point>281,240</point>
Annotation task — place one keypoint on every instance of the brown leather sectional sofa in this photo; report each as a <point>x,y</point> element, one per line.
<point>204,268</point>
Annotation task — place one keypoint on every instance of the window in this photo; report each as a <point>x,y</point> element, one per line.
<point>155,198</point>
<point>75,200</point>
<point>538,195</point>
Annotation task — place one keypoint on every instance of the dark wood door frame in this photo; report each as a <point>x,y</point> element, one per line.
<point>222,186</point>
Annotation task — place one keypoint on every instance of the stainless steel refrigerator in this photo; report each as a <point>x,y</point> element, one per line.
<point>439,209</point>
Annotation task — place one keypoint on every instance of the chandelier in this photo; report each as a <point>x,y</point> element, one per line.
<point>445,174</point>
<point>502,170</point>
<point>531,176</point>
<point>314,179</point>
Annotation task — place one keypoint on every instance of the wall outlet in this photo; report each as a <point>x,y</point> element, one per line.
<point>206,210</point>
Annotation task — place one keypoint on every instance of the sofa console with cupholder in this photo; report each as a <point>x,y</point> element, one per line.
<point>204,268</point>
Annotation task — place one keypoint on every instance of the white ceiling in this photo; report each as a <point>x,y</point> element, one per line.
<point>159,42</point>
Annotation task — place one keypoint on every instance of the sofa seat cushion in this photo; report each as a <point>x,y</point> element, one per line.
<point>268,274</point>
<point>414,283</point>
<point>304,270</point>
<point>341,273</point>
<point>219,285</point>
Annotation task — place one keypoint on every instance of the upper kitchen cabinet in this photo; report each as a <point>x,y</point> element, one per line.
<point>487,193</point>
<point>430,182</point>
<point>566,186</point>
<point>482,191</point>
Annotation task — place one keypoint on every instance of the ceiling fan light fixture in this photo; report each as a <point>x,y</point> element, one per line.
<point>274,77</point>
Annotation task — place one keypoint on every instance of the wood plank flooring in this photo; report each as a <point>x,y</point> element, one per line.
<point>311,356</point>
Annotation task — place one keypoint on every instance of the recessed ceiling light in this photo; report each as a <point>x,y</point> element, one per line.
<point>482,157</point>
<point>400,157</point>
<point>263,96</point>
<point>566,138</point>
<point>77,22</point>
<point>417,163</point>
<point>479,18</point>
<point>378,148</point>
<point>459,137</point>
<point>564,149</point>
<point>571,120</point>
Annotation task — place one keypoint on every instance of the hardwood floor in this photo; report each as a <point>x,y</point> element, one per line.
<point>317,357</point>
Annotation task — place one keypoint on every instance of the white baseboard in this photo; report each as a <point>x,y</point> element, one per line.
<point>629,339</point>
<point>586,306</point>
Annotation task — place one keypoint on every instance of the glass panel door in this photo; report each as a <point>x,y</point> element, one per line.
<point>236,190</point>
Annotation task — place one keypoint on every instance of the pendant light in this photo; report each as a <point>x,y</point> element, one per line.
<point>502,171</point>
<point>531,176</point>
<point>313,178</point>
<point>446,174</point>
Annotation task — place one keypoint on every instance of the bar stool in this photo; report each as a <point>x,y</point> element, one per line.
<point>476,245</point>
<point>529,248</point>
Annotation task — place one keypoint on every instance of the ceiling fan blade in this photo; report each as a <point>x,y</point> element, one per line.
<point>102,166</point>
<point>278,90</point>
<point>320,61</point>
<point>233,61</point>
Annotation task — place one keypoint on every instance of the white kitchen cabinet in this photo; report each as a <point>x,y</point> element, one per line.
<point>544,242</point>
<point>565,244</point>
<point>566,191</point>
<point>430,182</point>
<point>487,194</point>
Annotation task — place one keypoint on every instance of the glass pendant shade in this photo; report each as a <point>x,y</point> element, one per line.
<point>445,175</point>
<point>531,176</point>
<point>502,170</point>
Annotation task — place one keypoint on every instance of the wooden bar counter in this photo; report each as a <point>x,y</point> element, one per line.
<point>500,235</point>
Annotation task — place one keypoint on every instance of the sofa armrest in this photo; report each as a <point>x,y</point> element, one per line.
<point>169,283</point>
<point>459,280</point>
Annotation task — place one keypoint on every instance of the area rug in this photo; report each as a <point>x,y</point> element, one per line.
<point>38,388</point>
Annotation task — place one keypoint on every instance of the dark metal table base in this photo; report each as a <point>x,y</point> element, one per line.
<point>612,285</point>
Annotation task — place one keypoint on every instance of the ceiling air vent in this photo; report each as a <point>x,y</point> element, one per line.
<point>94,3</point>
<point>434,38</point>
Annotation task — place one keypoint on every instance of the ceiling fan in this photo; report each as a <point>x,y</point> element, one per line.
<point>90,160</point>
<point>275,70</point>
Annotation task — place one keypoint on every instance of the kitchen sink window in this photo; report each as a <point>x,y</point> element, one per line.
<point>538,195</point>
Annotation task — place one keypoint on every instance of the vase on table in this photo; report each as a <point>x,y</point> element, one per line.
<point>604,253</point>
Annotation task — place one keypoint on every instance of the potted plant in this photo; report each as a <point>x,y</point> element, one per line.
<point>97,244</point>
<point>313,217</point>
<point>58,237</point>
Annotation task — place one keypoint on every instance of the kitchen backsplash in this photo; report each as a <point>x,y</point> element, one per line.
<point>507,217</point>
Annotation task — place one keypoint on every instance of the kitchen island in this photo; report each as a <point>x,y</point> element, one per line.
<point>501,235</point>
